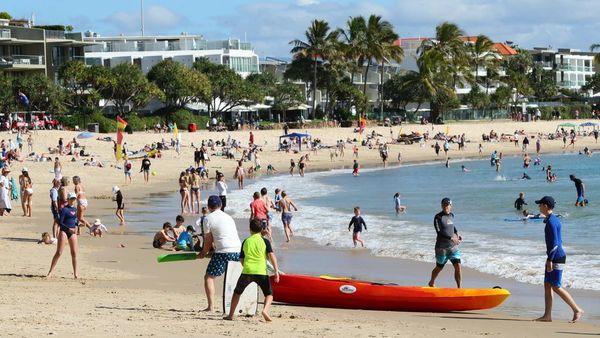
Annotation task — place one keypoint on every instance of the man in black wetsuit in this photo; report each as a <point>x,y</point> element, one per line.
<point>446,244</point>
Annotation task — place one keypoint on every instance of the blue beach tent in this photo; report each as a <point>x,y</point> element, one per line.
<point>298,136</point>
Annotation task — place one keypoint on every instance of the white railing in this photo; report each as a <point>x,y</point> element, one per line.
<point>4,33</point>
<point>21,60</point>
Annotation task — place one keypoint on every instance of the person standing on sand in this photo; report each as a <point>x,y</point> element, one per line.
<point>446,244</point>
<point>54,207</point>
<point>538,145</point>
<point>68,234</point>
<point>285,205</point>
<point>222,190</point>
<point>145,168</point>
<point>239,174</point>
<point>436,147</point>
<point>82,203</point>
<point>357,223</point>
<point>184,192</point>
<point>57,169</point>
<point>120,205</point>
<point>220,234</point>
<point>5,187</point>
<point>251,139</point>
<point>26,192</point>
<point>127,170</point>
<point>555,261</point>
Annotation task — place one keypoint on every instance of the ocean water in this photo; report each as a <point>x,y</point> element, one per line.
<point>495,241</point>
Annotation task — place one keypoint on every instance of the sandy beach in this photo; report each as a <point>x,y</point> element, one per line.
<point>122,291</point>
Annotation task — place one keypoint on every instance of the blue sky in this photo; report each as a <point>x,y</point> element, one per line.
<point>270,25</point>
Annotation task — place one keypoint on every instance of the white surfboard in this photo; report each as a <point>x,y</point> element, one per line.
<point>248,304</point>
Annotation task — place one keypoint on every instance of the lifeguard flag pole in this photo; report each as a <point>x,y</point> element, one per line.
<point>121,124</point>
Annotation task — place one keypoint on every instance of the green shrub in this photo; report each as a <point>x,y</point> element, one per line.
<point>567,112</point>
<point>106,125</point>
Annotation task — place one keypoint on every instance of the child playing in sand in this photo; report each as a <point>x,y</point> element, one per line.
<point>358,223</point>
<point>253,256</point>
<point>185,241</point>
<point>47,239</point>
<point>97,229</point>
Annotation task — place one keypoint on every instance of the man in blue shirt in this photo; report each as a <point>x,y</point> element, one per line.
<point>555,261</point>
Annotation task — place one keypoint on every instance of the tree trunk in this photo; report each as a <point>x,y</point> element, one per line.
<point>381,92</point>
<point>314,110</point>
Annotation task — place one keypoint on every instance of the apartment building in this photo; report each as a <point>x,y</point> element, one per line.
<point>147,51</point>
<point>572,67</point>
<point>501,51</point>
<point>26,50</point>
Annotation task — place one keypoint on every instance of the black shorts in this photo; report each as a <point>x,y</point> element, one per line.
<point>156,244</point>
<point>223,202</point>
<point>261,280</point>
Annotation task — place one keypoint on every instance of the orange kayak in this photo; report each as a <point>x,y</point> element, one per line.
<point>346,293</point>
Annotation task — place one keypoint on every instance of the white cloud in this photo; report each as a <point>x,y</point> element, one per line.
<point>270,25</point>
<point>157,19</point>
<point>307,2</point>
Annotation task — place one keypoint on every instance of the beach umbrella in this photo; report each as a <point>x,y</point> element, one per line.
<point>85,134</point>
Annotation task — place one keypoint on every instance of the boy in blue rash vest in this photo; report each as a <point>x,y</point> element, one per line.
<point>556,258</point>
<point>446,244</point>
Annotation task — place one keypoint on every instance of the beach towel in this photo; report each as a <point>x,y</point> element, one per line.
<point>14,191</point>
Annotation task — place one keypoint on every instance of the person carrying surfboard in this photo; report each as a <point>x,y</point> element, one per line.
<point>220,234</point>
<point>446,244</point>
<point>253,256</point>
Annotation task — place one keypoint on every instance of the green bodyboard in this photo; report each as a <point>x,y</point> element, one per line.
<point>186,256</point>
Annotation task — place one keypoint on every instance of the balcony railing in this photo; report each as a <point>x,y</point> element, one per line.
<point>4,33</point>
<point>568,84</point>
<point>21,60</point>
<point>60,35</point>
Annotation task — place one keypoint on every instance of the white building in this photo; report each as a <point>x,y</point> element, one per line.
<point>147,51</point>
<point>573,68</point>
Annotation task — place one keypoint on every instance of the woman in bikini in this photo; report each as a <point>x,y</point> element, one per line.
<point>184,192</point>
<point>26,192</point>
<point>82,203</point>
<point>195,190</point>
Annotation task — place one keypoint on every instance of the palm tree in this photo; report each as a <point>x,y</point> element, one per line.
<point>445,62</point>
<point>390,51</point>
<point>319,41</point>
<point>593,47</point>
<point>354,41</point>
<point>483,55</point>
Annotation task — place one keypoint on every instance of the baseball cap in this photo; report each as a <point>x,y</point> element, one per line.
<point>71,195</point>
<point>115,189</point>
<point>547,200</point>
<point>214,201</point>
<point>446,201</point>
<point>24,170</point>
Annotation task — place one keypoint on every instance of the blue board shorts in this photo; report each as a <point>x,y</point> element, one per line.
<point>218,262</point>
<point>442,256</point>
<point>580,199</point>
<point>554,277</point>
<point>286,217</point>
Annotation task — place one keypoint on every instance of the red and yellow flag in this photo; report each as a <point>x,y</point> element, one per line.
<point>121,124</point>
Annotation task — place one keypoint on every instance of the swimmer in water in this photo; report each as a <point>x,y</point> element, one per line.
<point>525,177</point>
<point>464,169</point>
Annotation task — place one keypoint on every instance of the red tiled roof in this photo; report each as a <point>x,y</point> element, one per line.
<point>500,47</point>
